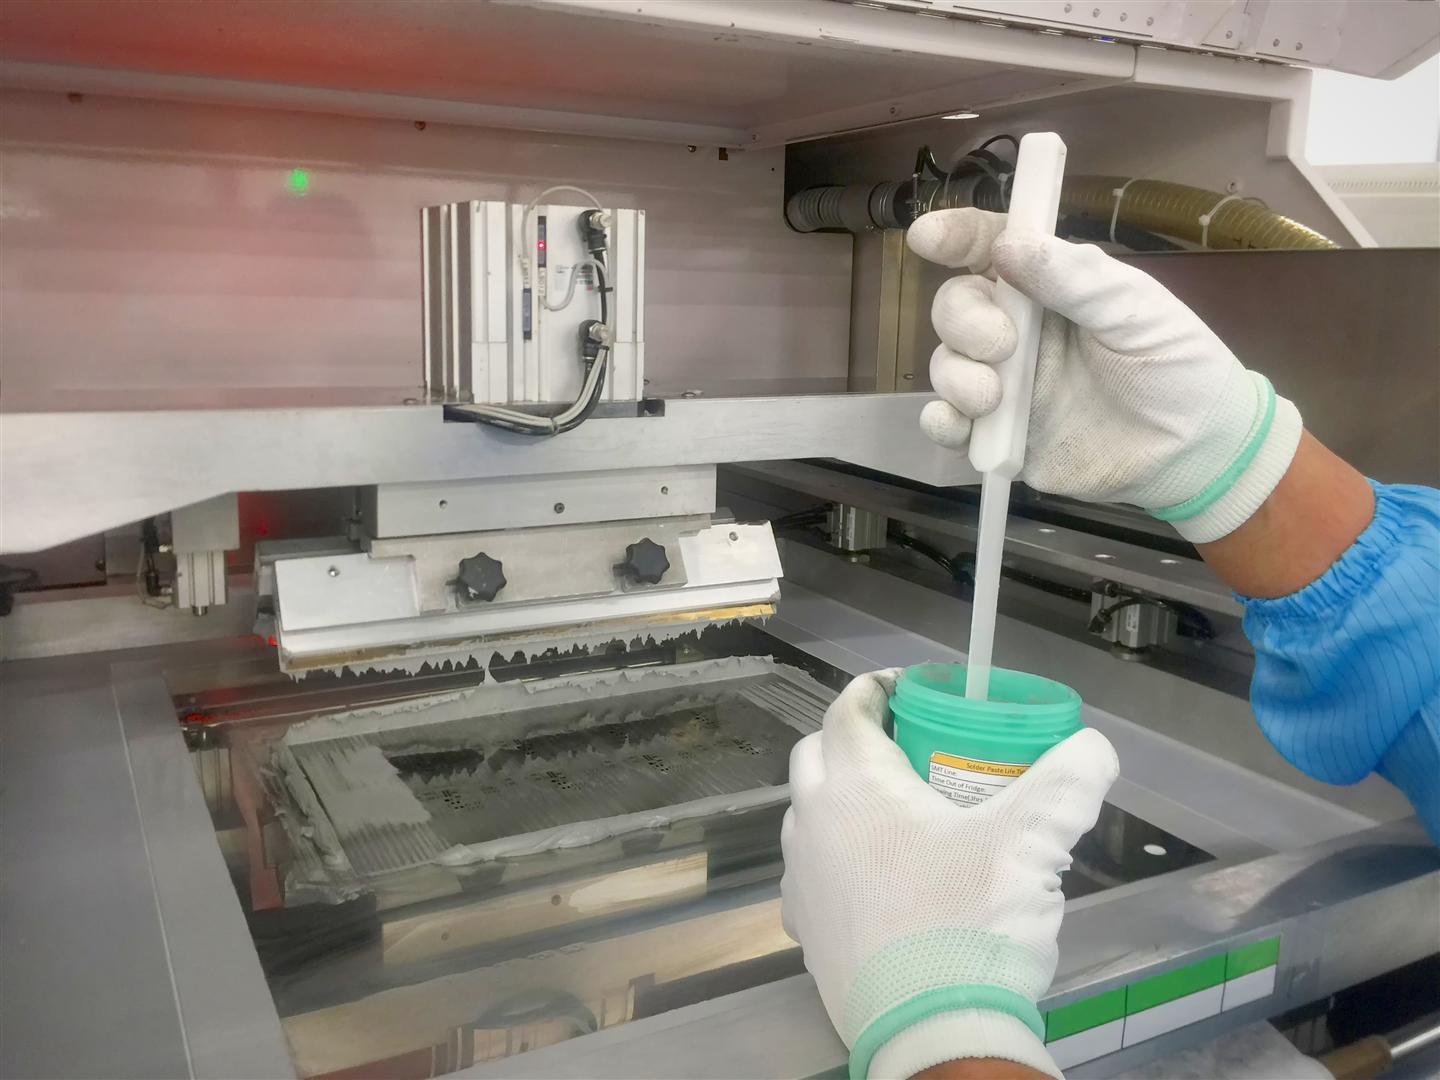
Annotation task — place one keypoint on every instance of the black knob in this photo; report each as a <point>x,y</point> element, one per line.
<point>481,577</point>
<point>645,562</point>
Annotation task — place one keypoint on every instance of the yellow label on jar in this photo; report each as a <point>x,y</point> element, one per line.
<point>970,781</point>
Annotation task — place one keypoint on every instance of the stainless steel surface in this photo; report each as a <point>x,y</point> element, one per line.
<point>125,953</point>
<point>313,297</point>
<point>1310,898</point>
<point>1189,757</point>
<point>1413,1043</point>
<point>734,75</point>
<point>1383,880</point>
<point>399,602</point>
<point>1186,580</point>
<point>1350,336</point>
<point>1351,888</point>
<point>515,503</point>
<point>211,525</point>
<point>67,622</point>
<point>120,467</point>
<point>1217,725</point>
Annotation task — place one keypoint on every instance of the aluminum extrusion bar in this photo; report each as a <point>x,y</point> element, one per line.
<point>1185,580</point>
<point>69,475</point>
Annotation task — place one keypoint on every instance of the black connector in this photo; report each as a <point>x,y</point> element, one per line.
<point>593,231</point>
<point>594,336</point>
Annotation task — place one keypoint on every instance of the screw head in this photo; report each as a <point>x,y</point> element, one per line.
<point>664,490</point>
<point>334,571</point>
<point>559,508</point>
<point>444,503</point>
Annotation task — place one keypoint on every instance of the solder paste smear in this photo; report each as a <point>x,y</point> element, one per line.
<point>516,769</point>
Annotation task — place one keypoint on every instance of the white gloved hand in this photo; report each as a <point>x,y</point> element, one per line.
<point>930,927</point>
<point>1136,400</point>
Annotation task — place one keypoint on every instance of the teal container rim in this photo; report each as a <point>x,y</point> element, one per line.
<point>937,686</point>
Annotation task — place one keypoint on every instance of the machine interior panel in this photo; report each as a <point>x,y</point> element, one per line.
<point>575,850</point>
<point>440,489</point>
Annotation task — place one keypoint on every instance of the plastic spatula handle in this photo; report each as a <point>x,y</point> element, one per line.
<point>997,441</point>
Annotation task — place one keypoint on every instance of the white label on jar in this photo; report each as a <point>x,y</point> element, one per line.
<point>969,781</point>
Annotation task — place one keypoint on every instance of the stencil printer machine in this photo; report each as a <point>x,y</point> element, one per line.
<point>505,445</point>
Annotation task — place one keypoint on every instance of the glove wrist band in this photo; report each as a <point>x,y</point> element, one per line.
<point>931,1003</point>
<point>1217,488</point>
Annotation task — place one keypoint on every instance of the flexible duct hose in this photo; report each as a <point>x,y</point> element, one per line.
<point>1156,206</point>
<point>1176,210</point>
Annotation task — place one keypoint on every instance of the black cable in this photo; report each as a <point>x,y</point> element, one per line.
<point>603,288</point>
<point>800,519</point>
<point>934,554</point>
<point>603,359</point>
<point>1004,137</point>
<point>1080,227</point>
<point>925,162</point>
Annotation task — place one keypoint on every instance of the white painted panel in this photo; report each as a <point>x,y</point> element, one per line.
<point>1087,1045</point>
<point>1173,1014</point>
<point>1248,988</point>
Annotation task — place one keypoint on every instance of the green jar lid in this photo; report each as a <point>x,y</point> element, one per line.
<point>1024,716</point>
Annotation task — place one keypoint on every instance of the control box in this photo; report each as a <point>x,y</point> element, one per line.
<point>509,290</point>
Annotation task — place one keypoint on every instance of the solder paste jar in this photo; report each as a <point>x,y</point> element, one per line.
<point>967,749</point>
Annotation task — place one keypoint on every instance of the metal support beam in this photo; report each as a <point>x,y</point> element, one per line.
<point>68,475</point>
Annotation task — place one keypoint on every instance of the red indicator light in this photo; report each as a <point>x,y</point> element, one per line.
<point>540,244</point>
<point>271,640</point>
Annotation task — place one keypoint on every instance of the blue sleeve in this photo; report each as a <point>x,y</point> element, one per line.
<point>1347,670</point>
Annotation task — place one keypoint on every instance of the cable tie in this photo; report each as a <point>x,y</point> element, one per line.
<point>1209,216</point>
<point>1119,194</point>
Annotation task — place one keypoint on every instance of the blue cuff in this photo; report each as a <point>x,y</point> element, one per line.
<point>1413,765</point>
<point>1347,669</point>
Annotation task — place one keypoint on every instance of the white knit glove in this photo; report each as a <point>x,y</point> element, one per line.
<point>930,927</point>
<point>1136,400</point>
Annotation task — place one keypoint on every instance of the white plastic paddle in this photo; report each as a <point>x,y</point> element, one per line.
<point>997,441</point>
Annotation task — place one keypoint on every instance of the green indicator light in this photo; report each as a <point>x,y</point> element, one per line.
<point>298,181</point>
